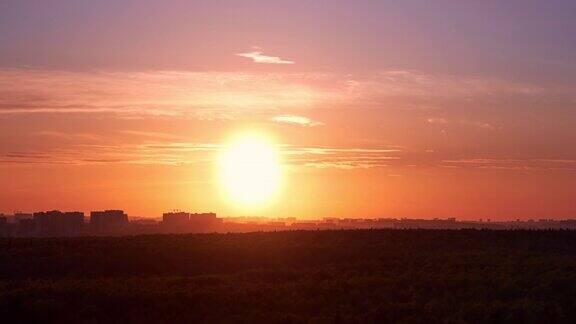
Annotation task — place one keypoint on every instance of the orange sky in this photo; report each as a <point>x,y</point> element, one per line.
<point>401,114</point>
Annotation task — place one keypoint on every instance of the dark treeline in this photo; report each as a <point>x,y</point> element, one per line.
<point>368,276</point>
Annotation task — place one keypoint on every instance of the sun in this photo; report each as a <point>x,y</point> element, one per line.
<point>250,169</point>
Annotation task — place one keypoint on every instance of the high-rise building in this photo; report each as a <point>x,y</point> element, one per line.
<point>57,223</point>
<point>20,215</point>
<point>108,220</point>
<point>175,218</point>
<point>203,218</point>
<point>183,222</point>
<point>26,227</point>
<point>4,228</point>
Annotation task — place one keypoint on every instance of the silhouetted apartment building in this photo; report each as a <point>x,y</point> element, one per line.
<point>108,220</point>
<point>19,215</point>
<point>203,218</point>
<point>26,227</point>
<point>4,230</point>
<point>175,218</point>
<point>57,223</point>
<point>190,222</point>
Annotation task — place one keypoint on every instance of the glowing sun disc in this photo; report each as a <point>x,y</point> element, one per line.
<point>250,169</point>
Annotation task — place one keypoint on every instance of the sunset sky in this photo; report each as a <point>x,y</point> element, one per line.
<point>409,108</point>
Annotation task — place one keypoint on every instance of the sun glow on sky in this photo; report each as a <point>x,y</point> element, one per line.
<point>250,169</point>
<point>121,104</point>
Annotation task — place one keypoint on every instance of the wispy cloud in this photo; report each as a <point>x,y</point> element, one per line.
<point>167,152</point>
<point>258,57</point>
<point>322,157</point>
<point>154,135</point>
<point>283,98</point>
<point>445,121</point>
<point>296,120</point>
<point>63,135</point>
<point>202,95</point>
<point>183,153</point>
<point>224,95</point>
<point>512,164</point>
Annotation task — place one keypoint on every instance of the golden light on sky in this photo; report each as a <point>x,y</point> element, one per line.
<point>250,169</point>
<point>383,116</point>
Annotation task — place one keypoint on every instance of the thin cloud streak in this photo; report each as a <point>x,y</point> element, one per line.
<point>182,153</point>
<point>259,57</point>
<point>318,157</point>
<point>296,120</point>
<point>445,121</point>
<point>511,164</point>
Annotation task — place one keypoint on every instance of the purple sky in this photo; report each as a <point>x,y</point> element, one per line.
<point>517,39</point>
